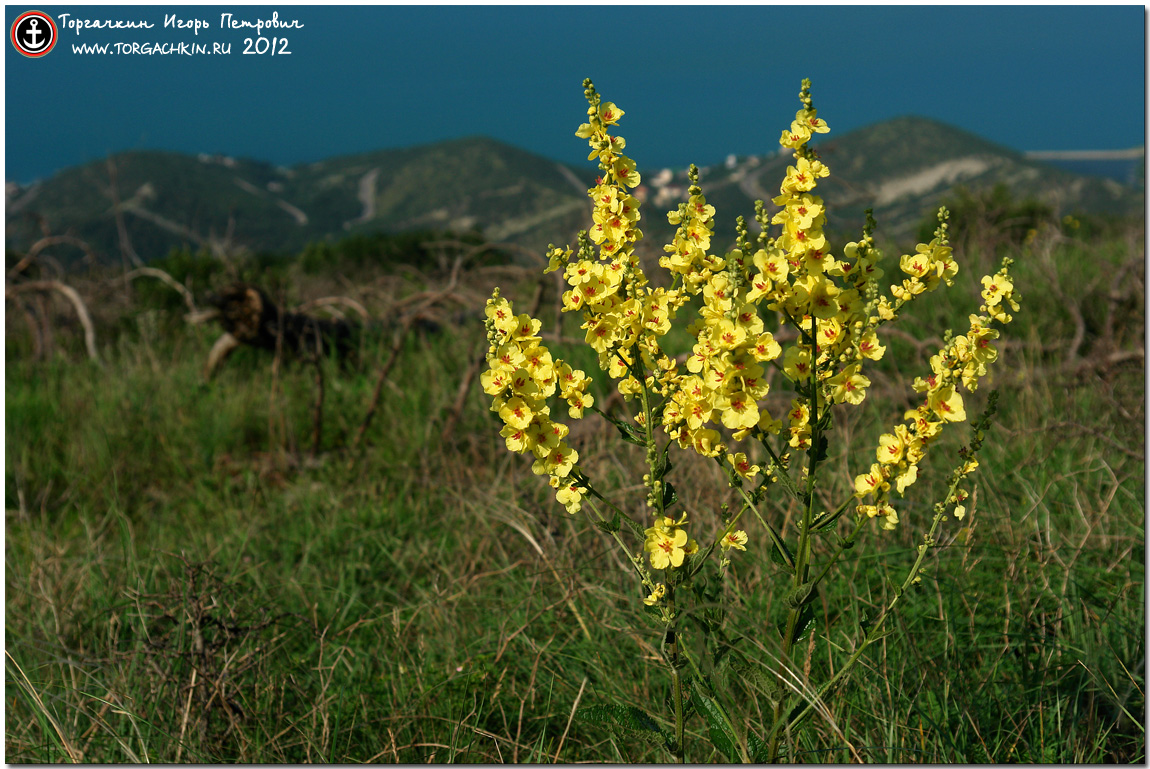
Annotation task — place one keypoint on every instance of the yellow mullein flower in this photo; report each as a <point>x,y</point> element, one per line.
<point>736,540</point>
<point>743,465</point>
<point>803,176</point>
<point>830,333</point>
<point>656,595</point>
<point>870,347</point>
<point>625,172</point>
<point>558,463</point>
<point>810,119</point>
<point>798,135</point>
<point>891,447</point>
<point>495,381</point>
<point>890,517</point>
<point>545,436</point>
<point>769,424</point>
<point>849,386</point>
<point>947,403</point>
<point>804,210</point>
<point>609,113</point>
<point>728,335</point>
<point>499,311</point>
<point>516,413</point>
<point>869,482</point>
<point>707,442</point>
<point>665,545</point>
<point>739,411</point>
<point>518,438</point>
<point>916,265</point>
<point>570,496</point>
<point>995,288</point>
<point>797,363</point>
<point>906,478</point>
<point>766,348</point>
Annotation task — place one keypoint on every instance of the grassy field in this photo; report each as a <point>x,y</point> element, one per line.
<point>187,580</point>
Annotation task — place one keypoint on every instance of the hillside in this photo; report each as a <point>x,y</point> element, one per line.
<point>902,168</point>
<point>170,199</point>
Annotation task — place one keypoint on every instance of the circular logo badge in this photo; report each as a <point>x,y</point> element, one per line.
<point>34,33</point>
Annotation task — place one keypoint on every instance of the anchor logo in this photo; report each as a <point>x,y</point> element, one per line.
<point>34,33</point>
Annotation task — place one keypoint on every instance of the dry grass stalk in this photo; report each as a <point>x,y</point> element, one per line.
<point>74,756</point>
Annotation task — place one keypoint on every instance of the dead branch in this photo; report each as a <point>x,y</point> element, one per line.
<point>220,350</point>
<point>254,319</point>
<point>537,300</point>
<point>922,346</point>
<point>73,297</point>
<point>328,301</point>
<point>41,304</point>
<point>45,242</point>
<point>377,391</point>
<point>1122,290</point>
<point>317,413</point>
<point>272,395</point>
<point>400,336</point>
<point>153,272</point>
<point>477,361</point>
<point>471,249</point>
<point>126,251</point>
<point>34,327</point>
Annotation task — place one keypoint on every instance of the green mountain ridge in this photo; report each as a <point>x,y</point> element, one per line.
<point>902,168</point>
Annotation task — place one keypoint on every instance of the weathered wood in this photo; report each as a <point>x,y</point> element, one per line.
<point>250,317</point>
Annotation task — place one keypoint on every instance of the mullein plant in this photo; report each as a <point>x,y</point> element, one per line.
<point>713,404</point>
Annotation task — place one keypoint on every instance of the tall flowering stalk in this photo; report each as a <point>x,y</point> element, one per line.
<point>831,309</point>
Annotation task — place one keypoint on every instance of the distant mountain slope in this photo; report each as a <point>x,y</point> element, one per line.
<point>170,199</point>
<point>902,168</point>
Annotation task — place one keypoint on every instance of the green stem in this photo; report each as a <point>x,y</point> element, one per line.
<point>779,472</point>
<point>823,523</point>
<point>677,694</point>
<point>776,540</point>
<point>835,556</point>
<point>872,636</point>
<point>645,578</point>
<point>803,555</point>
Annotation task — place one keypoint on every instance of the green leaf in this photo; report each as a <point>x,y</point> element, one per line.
<point>799,595</point>
<point>777,556</point>
<point>806,617</point>
<point>669,496</point>
<point>635,528</point>
<point>626,430</point>
<point>819,452</point>
<point>763,682</point>
<point>758,749</point>
<point>629,433</point>
<point>609,527</point>
<point>625,718</point>
<point>719,726</point>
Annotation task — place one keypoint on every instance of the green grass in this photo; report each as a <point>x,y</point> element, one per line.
<point>184,582</point>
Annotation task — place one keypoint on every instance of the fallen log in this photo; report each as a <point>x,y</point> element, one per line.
<point>250,317</point>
